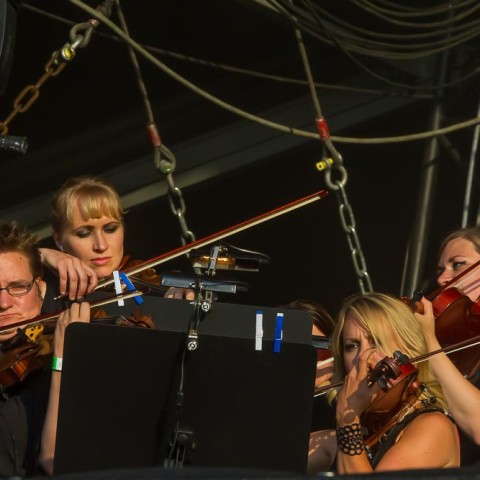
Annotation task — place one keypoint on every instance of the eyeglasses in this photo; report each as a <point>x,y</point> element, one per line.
<point>18,289</point>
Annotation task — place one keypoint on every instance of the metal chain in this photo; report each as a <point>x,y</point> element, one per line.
<point>346,216</point>
<point>336,162</point>
<point>79,37</point>
<point>178,208</point>
<point>163,159</point>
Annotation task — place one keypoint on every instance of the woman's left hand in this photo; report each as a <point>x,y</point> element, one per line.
<point>77,279</point>
<point>78,312</point>
<point>180,293</point>
<point>427,322</point>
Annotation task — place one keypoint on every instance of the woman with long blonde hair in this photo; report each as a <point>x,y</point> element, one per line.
<point>369,328</point>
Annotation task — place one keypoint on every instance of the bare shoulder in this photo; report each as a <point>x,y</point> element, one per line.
<point>430,440</point>
<point>435,420</point>
<point>436,436</point>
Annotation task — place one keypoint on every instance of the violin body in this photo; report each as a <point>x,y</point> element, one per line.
<point>398,379</point>
<point>458,319</point>
<point>32,347</point>
<point>136,319</point>
<point>19,362</point>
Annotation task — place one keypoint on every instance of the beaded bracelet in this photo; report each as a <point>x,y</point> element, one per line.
<point>57,364</point>
<point>350,439</point>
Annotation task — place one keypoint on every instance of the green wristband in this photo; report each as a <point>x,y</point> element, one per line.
<point>57,364</point>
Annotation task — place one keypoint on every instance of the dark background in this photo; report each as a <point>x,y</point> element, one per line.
<point>90,120</point>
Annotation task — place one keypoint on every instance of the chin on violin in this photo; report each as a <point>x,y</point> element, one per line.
<point>382,401</point>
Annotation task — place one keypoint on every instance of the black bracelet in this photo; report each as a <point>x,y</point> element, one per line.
<point>350,439</point>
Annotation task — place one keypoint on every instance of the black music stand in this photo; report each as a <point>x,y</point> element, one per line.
<point>241,408</point>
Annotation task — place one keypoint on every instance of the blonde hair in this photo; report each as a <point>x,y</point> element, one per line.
<point>392,326</point>
<point>472,234</point>
<point>93,197</point>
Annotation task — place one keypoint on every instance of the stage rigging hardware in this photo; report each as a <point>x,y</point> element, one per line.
<point>80,35</point>
<point>165,164</point>
<point>338,186</point>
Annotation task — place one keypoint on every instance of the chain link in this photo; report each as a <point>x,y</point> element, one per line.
<point>57,62</point>
<point>178,208</point>
<point>163,159</point>
<point>349,226</point>
<point>347,216</point>
<point>336,163</point>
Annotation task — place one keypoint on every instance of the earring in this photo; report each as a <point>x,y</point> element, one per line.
<point>61,248</point>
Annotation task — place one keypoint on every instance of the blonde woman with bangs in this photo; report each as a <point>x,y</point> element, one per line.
<point>87,225</point>
<point>87,222</point>
<point>369,328</point>
<point>88,230</point>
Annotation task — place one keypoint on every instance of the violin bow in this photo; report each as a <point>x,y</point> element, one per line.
<point>221,235</point>
<point>456,347</point>
<point>45,318</point>
<point>455,280</point>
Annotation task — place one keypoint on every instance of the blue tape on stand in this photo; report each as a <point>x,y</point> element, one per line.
<point>278,333</point>
<point>130,287</point>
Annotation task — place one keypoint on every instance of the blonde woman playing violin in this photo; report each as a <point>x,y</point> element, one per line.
<point>87,223</point>
<point>369,328</point>
<point>459,250</point>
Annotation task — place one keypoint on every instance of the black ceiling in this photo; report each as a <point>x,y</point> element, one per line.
<point>90,119</point>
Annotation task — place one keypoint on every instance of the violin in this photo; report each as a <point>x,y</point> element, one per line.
<point>133,268</point>
<point>457,318</point>
<point>17,362</point>
<point>32,347</point>
<point>402,393</point>
<point>397,377</point>
<point>449,350</point>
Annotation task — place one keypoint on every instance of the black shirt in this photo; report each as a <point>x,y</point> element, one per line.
<point>22,414</point>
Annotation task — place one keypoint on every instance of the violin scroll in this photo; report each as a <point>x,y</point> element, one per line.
<point>387,370</point>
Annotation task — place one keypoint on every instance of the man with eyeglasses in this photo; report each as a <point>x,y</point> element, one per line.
<point>23,406</point>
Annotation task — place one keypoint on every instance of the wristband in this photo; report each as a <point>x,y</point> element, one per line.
<point>57,364</point>
<point>350,439</point>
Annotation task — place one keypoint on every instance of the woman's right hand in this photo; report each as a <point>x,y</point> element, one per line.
<point>77,279</point>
